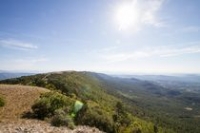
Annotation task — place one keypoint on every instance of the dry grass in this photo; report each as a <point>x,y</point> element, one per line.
<point>18,100</point>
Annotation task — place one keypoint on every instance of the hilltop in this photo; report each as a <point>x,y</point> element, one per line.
<point>100,99</point>
<point>147,107</point>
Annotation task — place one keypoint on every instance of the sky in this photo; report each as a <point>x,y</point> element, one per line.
<point>111,36</point>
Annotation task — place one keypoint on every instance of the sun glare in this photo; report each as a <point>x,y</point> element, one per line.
<point>126,16</point>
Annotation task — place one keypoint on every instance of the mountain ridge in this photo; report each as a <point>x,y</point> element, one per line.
<point>144,100</point>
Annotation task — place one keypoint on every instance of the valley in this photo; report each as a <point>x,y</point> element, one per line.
<point>160,105</point>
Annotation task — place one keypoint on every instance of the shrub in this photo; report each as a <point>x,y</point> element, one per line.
<point>41,108</point>
<point>48,103</point>
<point>39,82</point>
<point>61,118</point>
<point>2,101</point>
<point>94,116</point>
<point>121,118</point>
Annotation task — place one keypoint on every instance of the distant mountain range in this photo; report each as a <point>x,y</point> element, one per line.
<point>8,75</point>
<point>170,102</point>
<point>167,77</point>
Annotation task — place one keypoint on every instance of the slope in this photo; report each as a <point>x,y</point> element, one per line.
<point>101,100</point>
<point>167,106</point>
<point>18,100</point>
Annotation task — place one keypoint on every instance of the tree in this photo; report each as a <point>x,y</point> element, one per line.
<point>120,118</point>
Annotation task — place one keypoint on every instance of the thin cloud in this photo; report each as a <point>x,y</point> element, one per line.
<point>16,44</point>
<point>181,51</point>
<point>149,9</point>
<point>31,61</point>
<point>162,52</point>
<point>125,56</point>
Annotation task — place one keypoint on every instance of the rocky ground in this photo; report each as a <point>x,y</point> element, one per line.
<point>36,126</point>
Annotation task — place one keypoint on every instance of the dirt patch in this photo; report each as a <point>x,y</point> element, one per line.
<point>36,126</point>
<point>19,99</point>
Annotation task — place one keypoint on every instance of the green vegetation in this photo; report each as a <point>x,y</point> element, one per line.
<point>56,107</point>
<point>121,118</point>
<point>2,101</point>
<point>48,103</point>
<point>62,118</point>
<point>113,105</point>
<point>92,114</point>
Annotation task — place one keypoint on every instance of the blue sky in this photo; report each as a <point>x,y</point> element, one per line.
<point>113,36</point>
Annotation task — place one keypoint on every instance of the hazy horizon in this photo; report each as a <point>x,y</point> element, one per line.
<point>116,36</point>
<point>103,72</point>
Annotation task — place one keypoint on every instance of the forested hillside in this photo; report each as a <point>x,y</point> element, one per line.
<point>116,104</point>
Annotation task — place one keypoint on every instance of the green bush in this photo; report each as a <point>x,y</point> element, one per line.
<point>2,101</point>
<point>61,118</point>
<point>48,103</point>
<point>94,116</point>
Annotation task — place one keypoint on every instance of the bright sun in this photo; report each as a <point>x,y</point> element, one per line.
<point>127,16</point>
